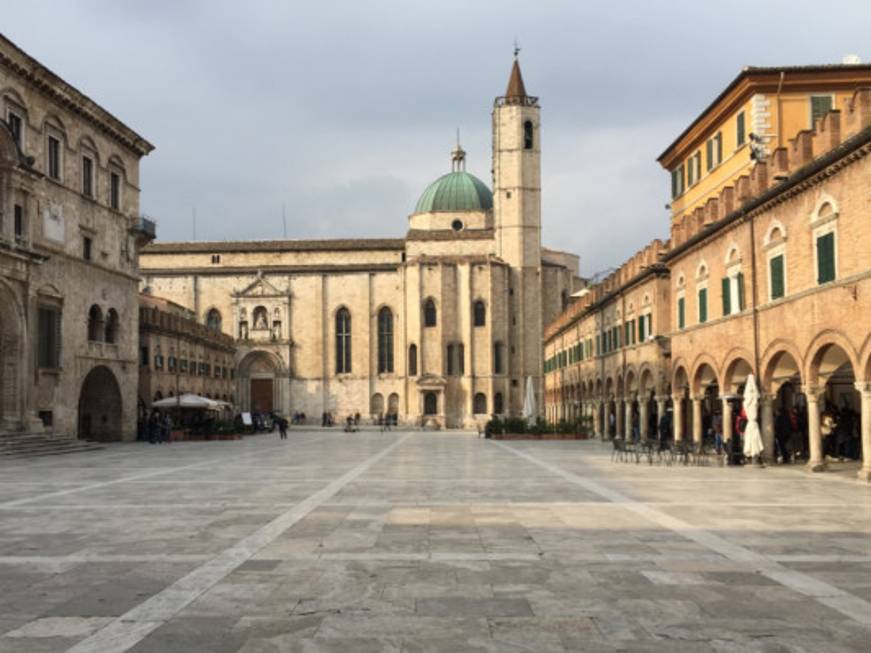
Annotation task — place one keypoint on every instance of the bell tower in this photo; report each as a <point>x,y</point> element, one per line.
<point>517,219</point>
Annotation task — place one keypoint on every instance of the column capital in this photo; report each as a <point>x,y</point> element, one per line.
<point>863,386</point>
<point>662,398</point>
<point>696,398</point>
<point>812,392</point>
<point>677,398</point>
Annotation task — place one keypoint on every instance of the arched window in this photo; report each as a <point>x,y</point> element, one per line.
<point>112,326</point>
<point>343,341</point>
<point>412,360</point>
<point>393,405</point>
<point>565,299</point>
<point>527,135</point>
<point>429,313</point>
<point>95,324</point>
<point>498,355</point>
<point>498,407</point>
<point>430,404</point>
<point>480,404</point>
<point>385,341</point>
<point>213,319</point>
<point>260,317</point>
<point>480,311</point>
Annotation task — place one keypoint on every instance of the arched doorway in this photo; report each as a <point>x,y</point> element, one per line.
<point>10,360</point>
<point>100,406</point>
<point>782,377</point>
<point>430,403</point>
<point>706,391</point>
<point>839,404</point>
<point>258,382</point>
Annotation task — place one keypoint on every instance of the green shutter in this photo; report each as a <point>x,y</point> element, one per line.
<point>727,296</point>
<point>820,105</point>
<point>826,258</point>
<point>719,147</point>
<point>740,281</point>
<point>681,314</point>
<point>703,305</point>
<point>740,131</point>
<point>776,270</point>
<point>633,330</point>
<point>709,154</point>
<point>626,339</point>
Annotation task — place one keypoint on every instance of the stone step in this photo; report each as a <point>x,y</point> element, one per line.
<point>42,444</point>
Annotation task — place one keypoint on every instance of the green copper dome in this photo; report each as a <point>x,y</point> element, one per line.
<point>455,191</point>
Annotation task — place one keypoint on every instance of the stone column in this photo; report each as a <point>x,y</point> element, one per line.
<point>816,463</point>
<point>727,420</point>
<point>627,420</point>
<point>596,429</point>
<point>660,410</point>
<point>642,419</point>
<point>864,387</point>
<point>677,416</point>
<point>618,418</point>
<point>767,413</point>
<point>697,419</point>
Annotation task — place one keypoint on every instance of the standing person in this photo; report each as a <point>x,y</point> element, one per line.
<point>153,427</point>
<point>782,434</point>
<point>827,428</point>
<point>166,431</point>
<point>282,428</point>
<point>665,427</point>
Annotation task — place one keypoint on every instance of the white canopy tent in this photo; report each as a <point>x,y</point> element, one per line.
<point>752,436</point>
<point>529,408</point>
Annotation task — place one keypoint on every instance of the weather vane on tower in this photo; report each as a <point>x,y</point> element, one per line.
<point>516,47</point>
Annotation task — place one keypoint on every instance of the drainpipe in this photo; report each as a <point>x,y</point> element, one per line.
<point>779,110</point>
<point>754,299</point>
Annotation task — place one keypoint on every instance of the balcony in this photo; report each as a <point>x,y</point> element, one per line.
<point>144,228</point>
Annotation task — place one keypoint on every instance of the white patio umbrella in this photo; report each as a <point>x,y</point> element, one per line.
<point>529,409</point>
<point>752,436</point>
<point>190,401</point>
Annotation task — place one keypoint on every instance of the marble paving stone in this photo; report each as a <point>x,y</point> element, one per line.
<point>425,542</point>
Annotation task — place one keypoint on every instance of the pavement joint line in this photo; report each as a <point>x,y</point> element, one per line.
<point>134,477</point>
<point>136,624</point>
<point>852,606</point>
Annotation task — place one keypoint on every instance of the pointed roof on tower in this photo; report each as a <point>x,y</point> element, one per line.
<point>516,89</point>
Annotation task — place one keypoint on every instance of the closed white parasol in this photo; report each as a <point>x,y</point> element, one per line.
<point>529,409</point>
<point>752,436</point>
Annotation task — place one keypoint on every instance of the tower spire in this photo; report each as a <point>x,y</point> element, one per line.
<point>458,156</point>
<point>516,89</point>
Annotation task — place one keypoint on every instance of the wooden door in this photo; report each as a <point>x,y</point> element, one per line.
<point>261,394</point>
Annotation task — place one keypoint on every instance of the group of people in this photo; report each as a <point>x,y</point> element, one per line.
<point>158,427</point>
<point>840,431</point>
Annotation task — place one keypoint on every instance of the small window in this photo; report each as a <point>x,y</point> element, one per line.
<point>95,323</point>
<point>677,182</point>
<point>820,106</point>
<point>115,191</point>
<point>216,258</point>
<point>430,404</point>
<point>87,245</point>
<point>457,225</point>
<point>143,356</point>
<point>681,313</point>
<point>213,320</point>
<point>385,341</point>
<point>48,346</point>
<point>87,176</point>
<point>449,361</point>
<point>54,158</point>
<point>19,222</point>
<point>343,341</point>
<point>412,360</point>
<point>498,356</point>
<point>775,267</point>
<point>16,126</point>
<point>480,314</point>
<point>703,305</point>
<point>826,258</point>
<point>429,313</point>
<point>527,135</point>
<point>740,130</point>
<point>480,404</point>
<point>112,326</point>
<point>498,404</point>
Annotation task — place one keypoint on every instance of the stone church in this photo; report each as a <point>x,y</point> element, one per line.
<point>440,327</point>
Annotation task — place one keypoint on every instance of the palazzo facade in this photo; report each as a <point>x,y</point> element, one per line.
<point>440,327</point>
<point>70,231</point>
<point>770,276</point>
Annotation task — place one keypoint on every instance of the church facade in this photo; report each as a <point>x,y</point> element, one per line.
<point>441,327</point>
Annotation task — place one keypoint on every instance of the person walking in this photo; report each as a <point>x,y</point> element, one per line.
<point>153,427</point>
<point>166,431</point>
<point>282,428</point>
<point>782,435</point>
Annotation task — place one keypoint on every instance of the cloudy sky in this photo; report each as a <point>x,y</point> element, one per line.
<point>344,111</point>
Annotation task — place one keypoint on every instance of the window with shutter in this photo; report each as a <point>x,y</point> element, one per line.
<point>826,258</point>
<point>740,133</point>
<point>719,146</point>
<point>820,106</point>
<point>709,155</point>
<point>776,271</point>
<point>739,279</point>
<point>703,305</point>
<point>48,329</point>
<point>727,296</point>
<point>627,337</point>
<point>681,313</point>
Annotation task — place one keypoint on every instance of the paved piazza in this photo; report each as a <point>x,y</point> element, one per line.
<point>425,542</point>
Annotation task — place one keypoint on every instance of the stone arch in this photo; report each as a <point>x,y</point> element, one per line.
<point>95,323</point>
<point>393,404</point>
<point>112,326</point>
<point>376,405</point>
<point>480,404</point>
<point>100,406</point>
<point>866,366</point>
<point>816,349</point>
<point>647,381</point>
<point>704,372</point>
<point>680,377</point>
<point>213,319</point>
<point>733,254</point>
<point>702,270</point>
<point>779,358</point>
<point>820,206</point>
<point>631,380</point>
<point>736,368</point>
<point>261,375</point>
<point>775,232</point>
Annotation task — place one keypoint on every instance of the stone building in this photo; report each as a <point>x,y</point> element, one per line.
<point>70,231</point>
<point>180,355</point>
<point>771,277</point>
<point>441,326</point>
